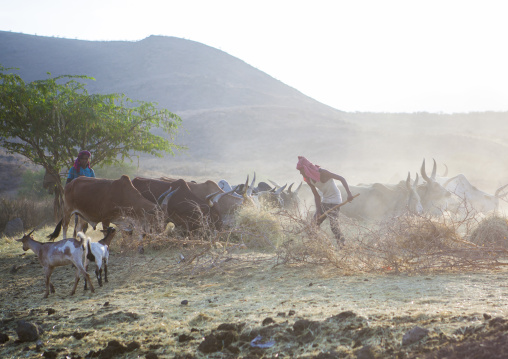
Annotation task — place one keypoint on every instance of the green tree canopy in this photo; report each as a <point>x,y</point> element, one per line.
<point>49,121</point>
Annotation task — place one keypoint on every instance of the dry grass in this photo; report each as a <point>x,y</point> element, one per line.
<point>32,213</point>
<point>273,267</point>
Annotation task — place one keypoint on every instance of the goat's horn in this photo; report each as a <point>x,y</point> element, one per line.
<point>408,181</point>
<point>33,230</point>
<point>289,188</point>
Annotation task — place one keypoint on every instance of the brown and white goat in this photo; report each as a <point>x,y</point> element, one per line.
<point>61,253</point>
<point>98,252</point>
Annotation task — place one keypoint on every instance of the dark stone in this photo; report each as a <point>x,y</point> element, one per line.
<point>184,338</point>
<point>4,338</point>
<point>210,345</point>
<point>300,326</point>
<point>184,302</point>
<point>487,316</point>
<point>50,354</point>
<point>78,335</point>
<point>51,311</point>
<point>227,326</point>
<point>291,313</point>
<point>414,335</point>
<point>151,355</point>
<point>268,321</point>
<point>28,332</point>
<point>133,346</point>
<point>344,315</point>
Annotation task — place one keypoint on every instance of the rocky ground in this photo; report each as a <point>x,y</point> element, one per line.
<point>249,307</point>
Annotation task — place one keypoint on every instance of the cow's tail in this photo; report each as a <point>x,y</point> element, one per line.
<point>56,232</point>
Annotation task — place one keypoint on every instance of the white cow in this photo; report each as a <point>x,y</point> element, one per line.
<point>467,194</point>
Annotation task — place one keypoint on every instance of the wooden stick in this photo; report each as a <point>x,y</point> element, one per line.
<point>323,216</point>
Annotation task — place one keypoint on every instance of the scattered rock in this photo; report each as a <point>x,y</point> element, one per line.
<point>182,338</point>
<point>4,338</point>
<point>151,355</point>
<point>184,302</point>
<point>291,313</point>
<point>268,321</point>
<point>414,335</point>
<point>28,332</point>
<point>50,354</point>
<point>487,316</point>
<point>51,311</point>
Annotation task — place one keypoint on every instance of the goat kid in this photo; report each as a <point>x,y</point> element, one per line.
<point>57,254</point>
<point>98,252</point>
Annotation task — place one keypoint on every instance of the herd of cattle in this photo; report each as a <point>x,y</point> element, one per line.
<point>190,205</point>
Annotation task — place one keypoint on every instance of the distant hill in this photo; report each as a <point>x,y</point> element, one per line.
<point>237,119</point>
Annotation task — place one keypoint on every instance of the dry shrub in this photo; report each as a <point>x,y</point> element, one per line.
<point>258,228</point>
<point>305,242</point>
<point>32,213</point>
<point>492,231</point>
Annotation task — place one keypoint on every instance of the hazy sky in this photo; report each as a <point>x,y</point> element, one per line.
<point>354,55</point>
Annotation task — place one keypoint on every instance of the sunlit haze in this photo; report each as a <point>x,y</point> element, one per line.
<point>367,56</point>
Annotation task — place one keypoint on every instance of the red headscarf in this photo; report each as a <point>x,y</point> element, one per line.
<point>310,170</point>
<point>81,154</point>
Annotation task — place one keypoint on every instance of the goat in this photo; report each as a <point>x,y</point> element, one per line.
<point>61,253</point>
<point>98,252</point>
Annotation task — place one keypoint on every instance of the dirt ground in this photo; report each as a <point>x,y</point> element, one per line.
<point>155,307</point>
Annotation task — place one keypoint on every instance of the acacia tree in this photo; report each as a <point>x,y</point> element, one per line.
<point>49,121</point>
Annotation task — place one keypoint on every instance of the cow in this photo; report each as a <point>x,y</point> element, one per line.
<point>104,201</point>
<point>435,198</point>
<point>209,192</point>
<point>186,210</point>
<point>378,202</point>
<point>467,195</point>
<point>290,199</point>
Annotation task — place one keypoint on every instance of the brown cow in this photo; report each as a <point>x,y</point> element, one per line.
<point>103,200</point>
<point>209,191</point>
<point>186,210</point>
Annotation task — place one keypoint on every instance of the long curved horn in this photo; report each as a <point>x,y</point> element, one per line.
<point>249,190</point>
<point>33,230</point>
<point>424,174</point>
<point>162,196</point>
<point>279,191</point>
<point>445,174</point>
<point>289,188</point>
<point>167,198</point>
<point>408,181</point>
<point>434,170</point>
<point>274,183</point>
<point>498,191</point>
<point>415,184</point>
<point>210,198</point>
<point>298,188</point>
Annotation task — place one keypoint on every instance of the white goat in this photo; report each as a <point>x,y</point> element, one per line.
<point>61,253</point>
<point>98,252</point>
